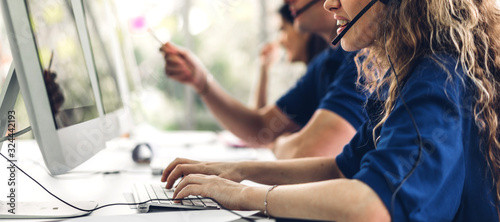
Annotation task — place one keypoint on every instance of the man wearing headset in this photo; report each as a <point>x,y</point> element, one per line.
<point>319,115</point>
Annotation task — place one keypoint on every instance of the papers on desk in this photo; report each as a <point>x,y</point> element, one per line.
<point>191,215</point>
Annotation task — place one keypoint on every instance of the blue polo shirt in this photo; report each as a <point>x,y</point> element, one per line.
<point>452,181</point>
<point>330,84</point>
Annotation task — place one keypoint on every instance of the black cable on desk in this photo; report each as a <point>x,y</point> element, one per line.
<point>27,129</point>
<point>115,204</point>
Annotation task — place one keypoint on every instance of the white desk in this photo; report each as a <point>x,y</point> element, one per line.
<point>110,188</point>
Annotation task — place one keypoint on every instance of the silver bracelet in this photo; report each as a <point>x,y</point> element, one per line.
<point>265,200</point>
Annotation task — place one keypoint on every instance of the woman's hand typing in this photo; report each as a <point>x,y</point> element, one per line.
<point>183,167</point>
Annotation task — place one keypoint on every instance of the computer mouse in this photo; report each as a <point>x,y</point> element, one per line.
<point>142,153</point>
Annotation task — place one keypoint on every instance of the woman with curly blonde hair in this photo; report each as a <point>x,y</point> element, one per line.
<point>430,150</point>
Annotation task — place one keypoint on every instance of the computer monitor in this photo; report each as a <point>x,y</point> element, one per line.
<point>68,132</point>
<point>109,64</point>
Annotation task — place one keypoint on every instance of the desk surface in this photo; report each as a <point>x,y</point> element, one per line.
<point>83,185</point>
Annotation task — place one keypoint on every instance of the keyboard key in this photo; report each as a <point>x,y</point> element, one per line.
<point>210,203</point>
<point>151,193</point>
<point>160,193</point>
<point>187,203</point>
<point>169,193</point>
<point>198,203</point>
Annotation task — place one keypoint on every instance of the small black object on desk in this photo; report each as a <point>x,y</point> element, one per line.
<point>142,153</point>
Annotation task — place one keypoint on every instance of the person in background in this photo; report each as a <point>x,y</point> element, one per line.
<point>299,47</point>
<point>322,111</point>
<point>430,150</point>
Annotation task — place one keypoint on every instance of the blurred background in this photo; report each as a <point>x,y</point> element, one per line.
<point>226,35</point>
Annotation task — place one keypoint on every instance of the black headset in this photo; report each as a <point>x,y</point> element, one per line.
<point>361,13</point>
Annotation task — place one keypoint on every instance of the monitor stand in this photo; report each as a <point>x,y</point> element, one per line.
<point>8,97</point>
<point>31,210</point>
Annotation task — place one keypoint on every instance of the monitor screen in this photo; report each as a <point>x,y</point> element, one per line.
<point>57,42</point>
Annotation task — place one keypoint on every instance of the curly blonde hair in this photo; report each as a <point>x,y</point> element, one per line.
<point>467,29</point>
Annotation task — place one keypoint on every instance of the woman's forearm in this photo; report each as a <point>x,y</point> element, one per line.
<point>290,171</point>
<point>339,200</point>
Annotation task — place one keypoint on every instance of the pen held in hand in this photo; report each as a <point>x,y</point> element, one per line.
<point>50,61</point>
<point>155,36</point>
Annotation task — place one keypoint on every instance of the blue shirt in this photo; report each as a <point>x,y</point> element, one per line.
<point>452,181</point>
<point>329,83</point>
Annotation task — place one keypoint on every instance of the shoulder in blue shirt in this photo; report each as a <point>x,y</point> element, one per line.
<point>452,181</point>
<point>330,84</point>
